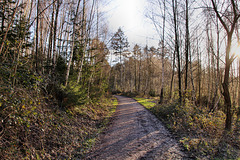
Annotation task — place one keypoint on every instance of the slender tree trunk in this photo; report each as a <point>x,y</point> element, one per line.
<point>208,66</point>
<point>239,83</point>
<point>49,53</point>
<point>83,40</point>
<point>199,73</point>
<point>192,80</point>
<point>226,93</point>
<point>121,69</point>
<point>36,49</point>
<point>9,25</point>
<point>148,74</point>
<point>186,47</point>
<point>3,17</point>
<point>135,84</point>
<point>163,52</point>
<point>217,79</point>
<point>55,35</point>
<point>174,7</point>
<point>73,43</point>
<point>173,72</point>
<point>139,74</point>
<point>228,60</point>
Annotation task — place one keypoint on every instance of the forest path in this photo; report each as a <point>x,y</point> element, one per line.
<point>135,134</point>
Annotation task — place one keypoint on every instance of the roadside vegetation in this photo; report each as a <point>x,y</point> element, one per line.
<point>35,126</point>
<point>193,71</point>
<point>54,92</point>
<point>201,133</point>
<point>59,65</point>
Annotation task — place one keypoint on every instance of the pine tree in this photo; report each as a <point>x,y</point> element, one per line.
<point>120,44</point>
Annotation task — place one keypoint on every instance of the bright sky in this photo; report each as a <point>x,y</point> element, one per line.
<point>130,16</point>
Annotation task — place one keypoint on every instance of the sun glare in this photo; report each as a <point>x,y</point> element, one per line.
<point>236,49</point>
<point>127,13</point>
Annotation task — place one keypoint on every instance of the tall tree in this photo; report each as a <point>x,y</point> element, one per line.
<point>163,51</point>
<point>73,43</point>
<point>228,22</point>
<point>37,38</point>
<point>83,40</point>
<point>55,34</point>
<point>187,41</point>
<point>177,49</point>
<point>120,44</point>
<point>136,53</point>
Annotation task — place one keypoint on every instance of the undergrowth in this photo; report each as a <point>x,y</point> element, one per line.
<point>33,129</point>
<point>41,119</point>
<point>200,132</point>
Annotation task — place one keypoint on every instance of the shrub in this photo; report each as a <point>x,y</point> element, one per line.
<point>152,93</point>
<point>201,132</point>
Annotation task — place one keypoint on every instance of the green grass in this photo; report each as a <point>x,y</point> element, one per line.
<point>145,102</point>
<point>112,110</point>
<point>201,133</point>
<point>115,102</point>
<point>102,117</point>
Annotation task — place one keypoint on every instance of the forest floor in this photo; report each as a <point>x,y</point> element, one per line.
<point>134,134</point>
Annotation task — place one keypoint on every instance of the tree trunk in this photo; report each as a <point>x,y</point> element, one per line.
<point>199,73</point>
<point>186,48</point>
<point>239,83</point>
<point>55,35</point>
<point>9,25</point>
<point>73,43</point>
<point>174,7</point>
<point>163,53</point>
<point>3,17</point>
<point>36,47</point>
<point>226,94</point>
<point>139,74</point>
<point>49,53</point>
<point>173,71</point>
<point>228,60</point>
<point>83,40</point>
<point>135,61</point>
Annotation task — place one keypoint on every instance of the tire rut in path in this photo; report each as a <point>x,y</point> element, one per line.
<point>135,134</point>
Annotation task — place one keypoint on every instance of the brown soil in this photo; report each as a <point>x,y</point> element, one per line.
<point>136,134</point>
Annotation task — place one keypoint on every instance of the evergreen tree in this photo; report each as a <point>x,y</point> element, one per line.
<point>120,44</point>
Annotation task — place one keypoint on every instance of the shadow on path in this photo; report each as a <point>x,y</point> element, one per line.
<point>135,134</point>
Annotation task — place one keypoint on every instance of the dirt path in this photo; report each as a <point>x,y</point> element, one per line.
<point>136,134</point>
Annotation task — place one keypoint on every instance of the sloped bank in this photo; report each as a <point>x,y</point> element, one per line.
<point>34,127</point>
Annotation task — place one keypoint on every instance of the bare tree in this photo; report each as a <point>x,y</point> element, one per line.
<point>177,50</point>
<point>163,51</point>
<point>229,22</point>
<point>187,43</point>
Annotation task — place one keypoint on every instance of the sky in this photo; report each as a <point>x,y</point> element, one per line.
<point>130,16</point>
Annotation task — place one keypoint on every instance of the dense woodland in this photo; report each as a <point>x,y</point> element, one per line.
<point>57,67</point>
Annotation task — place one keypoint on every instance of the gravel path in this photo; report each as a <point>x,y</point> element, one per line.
<point>136,134</point>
